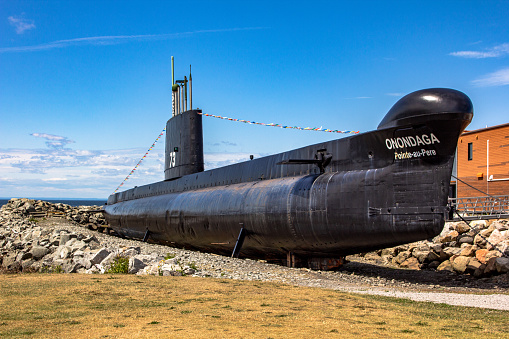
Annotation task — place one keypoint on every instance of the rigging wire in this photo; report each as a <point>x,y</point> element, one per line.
<point>320,129</point>
<point>139,162</point>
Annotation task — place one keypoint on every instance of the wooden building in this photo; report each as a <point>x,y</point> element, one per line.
<point>482,161</point>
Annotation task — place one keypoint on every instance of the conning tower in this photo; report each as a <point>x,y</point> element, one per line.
<point>184,133</point>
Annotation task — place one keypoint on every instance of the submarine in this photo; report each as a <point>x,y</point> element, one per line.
<point>307,207</point>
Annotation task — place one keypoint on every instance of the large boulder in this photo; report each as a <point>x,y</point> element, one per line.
<point>495,238</point>
<point>401,257</point>
<point>135,265</point>
<point>449,237</point>
<point>461,227</point>
<point>459,263</point>
<point>445,266</point>
<point>99,256</point>
<point>38,252</point>
<point>502,264</point>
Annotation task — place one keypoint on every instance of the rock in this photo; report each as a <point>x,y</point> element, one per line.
<point>189,271</point>
<point>502,265</point>
<point>480,241</point>
<point>411,263</point>
<point>38,252</point>
<point>401,257</point>
<point>71,267</point>
<point>465,239</point>
<point>146,258</point>
<point>468,250</point>
<point>90,238</point>
<point>171,269</point>
<point>500,225</point>
<point>132,251</point>
<point>109,259</point>
<point>445,266</point>
<point>473,264</point>
<point>503,246</point>
<point>99,256</point>
<point>65,252</point>
<point>23,256</point>
<point>373,256</point>
<point>135,265</point>
<point>424,254</point>
<point>451,236</point>
<point>450,251</point>
<point>490,266</point>
<point>495,237</point>
<point>436,247</point>
<point>389,252</point>
<point>79,245</point>
<point>9,260</point>
<point>461,227</point>
<point>459,263</point>
<point>481,255</point>
<point>65,237</point>
<point>479,224</point>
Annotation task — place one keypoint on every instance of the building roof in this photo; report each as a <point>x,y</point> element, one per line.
<point>480,130</point>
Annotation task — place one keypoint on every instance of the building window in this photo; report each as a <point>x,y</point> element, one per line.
<point>470,151</point>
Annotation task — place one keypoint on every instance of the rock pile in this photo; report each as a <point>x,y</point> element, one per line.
<point>83,215</point>
<point>31,244</point>
<point>481,249</point>
<point>27,246</point>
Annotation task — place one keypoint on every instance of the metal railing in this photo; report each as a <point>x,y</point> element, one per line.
<point>486,207</point>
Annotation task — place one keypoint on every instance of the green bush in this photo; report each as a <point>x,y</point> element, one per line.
<point>120,264</point>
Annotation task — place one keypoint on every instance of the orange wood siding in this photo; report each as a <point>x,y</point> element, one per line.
<point>471,170</point>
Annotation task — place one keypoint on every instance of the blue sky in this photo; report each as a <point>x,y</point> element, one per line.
<point>85,85</point>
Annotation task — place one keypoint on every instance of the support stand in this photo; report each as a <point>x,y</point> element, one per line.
<point>147,234</point>
<point>240,242</point>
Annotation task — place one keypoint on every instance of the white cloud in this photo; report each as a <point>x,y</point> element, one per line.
<point>494,52</point>
<point>74,173</point>
<point>498,78</point>
<point>87,173</point>
<point>21,25</point>
<point>53,141</point>
<point>114,39</point>
<point>395,94</point>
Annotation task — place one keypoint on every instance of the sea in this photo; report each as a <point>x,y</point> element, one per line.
<point>72,202</point>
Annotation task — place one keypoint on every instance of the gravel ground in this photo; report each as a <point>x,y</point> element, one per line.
<point>357,276</point>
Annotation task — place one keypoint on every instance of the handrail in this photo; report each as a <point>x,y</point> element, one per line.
<point>487,207</point>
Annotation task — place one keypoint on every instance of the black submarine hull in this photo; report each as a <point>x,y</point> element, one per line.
<point>369,191</point>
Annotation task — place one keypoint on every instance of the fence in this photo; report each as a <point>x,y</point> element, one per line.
<point>487,207</point>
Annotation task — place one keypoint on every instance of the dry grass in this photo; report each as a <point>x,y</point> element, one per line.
<point>126,306</point>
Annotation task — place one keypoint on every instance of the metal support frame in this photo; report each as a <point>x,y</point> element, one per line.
<point>147,234</point>
<point>240,242</point>
<point>484,207</point>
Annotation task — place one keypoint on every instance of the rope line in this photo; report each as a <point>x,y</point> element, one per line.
<point>475,188</point>
<point>319,129</point>
<point>139,162</point>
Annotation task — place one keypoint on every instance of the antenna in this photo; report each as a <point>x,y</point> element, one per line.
<point>172,72</point>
